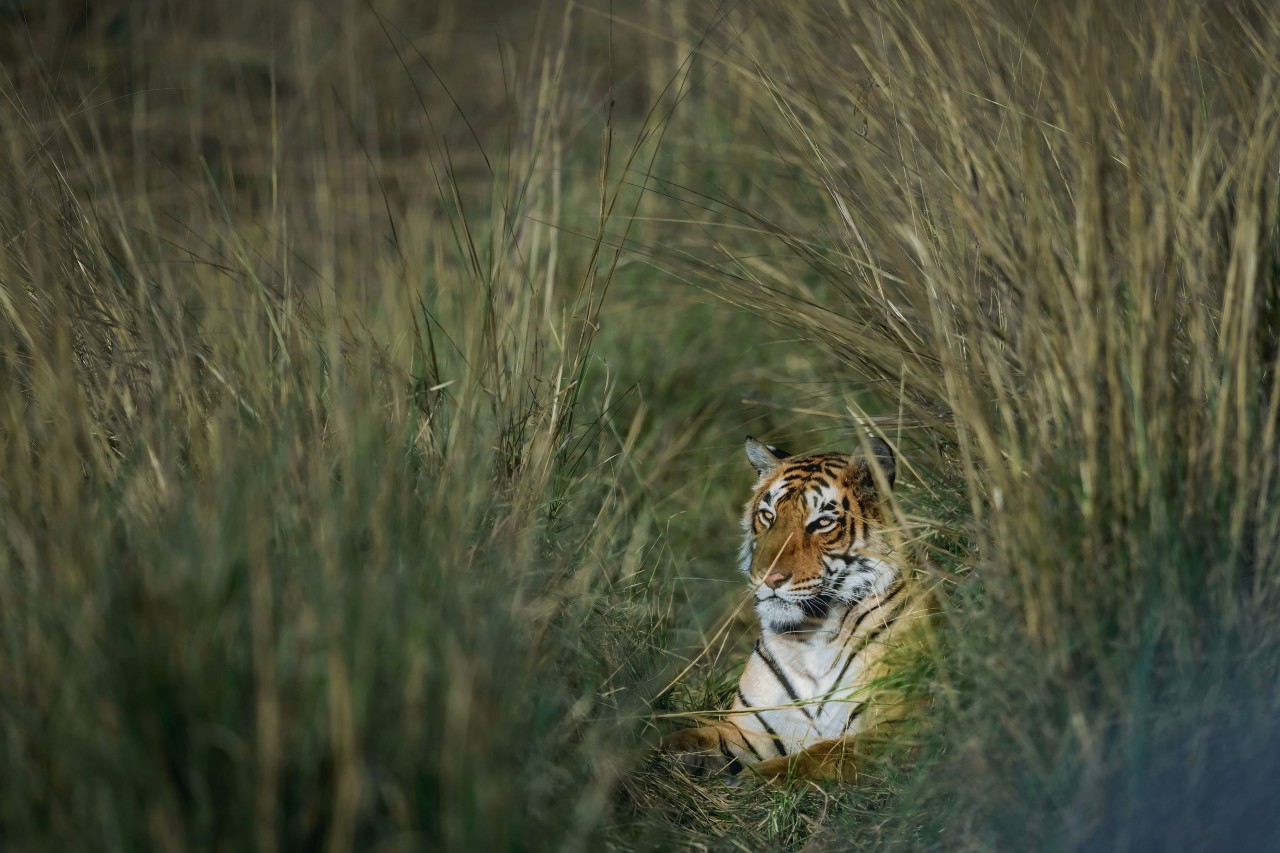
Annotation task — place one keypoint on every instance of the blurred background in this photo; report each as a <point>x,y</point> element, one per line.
<point>374,377</point>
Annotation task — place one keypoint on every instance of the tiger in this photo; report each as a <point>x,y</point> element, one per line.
<point>833,600</point>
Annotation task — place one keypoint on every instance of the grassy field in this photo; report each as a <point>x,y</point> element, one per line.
<point>373,381</point>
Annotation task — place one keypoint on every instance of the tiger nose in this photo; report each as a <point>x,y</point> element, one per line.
<point>776,579</point>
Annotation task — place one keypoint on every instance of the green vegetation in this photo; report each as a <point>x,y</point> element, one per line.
<point>373,383</point>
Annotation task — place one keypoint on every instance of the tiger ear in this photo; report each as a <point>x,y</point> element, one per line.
<point>881,457</point>
<point>764,457</point>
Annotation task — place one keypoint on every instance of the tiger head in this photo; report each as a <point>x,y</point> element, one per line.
<point>815,533</point>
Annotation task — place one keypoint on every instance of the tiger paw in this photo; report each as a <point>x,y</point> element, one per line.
<point>700,752</point>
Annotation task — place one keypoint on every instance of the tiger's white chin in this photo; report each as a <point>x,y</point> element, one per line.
<point>779,615</point>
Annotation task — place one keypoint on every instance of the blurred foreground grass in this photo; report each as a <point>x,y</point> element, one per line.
<point>372,384</point>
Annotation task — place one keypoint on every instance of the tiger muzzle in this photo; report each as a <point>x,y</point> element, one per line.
<point>780,558</point>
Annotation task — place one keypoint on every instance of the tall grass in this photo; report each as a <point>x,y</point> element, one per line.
<point>372,391</point>
<point>319,529</point>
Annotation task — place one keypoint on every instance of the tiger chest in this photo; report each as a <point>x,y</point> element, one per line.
<point>802,689</point>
